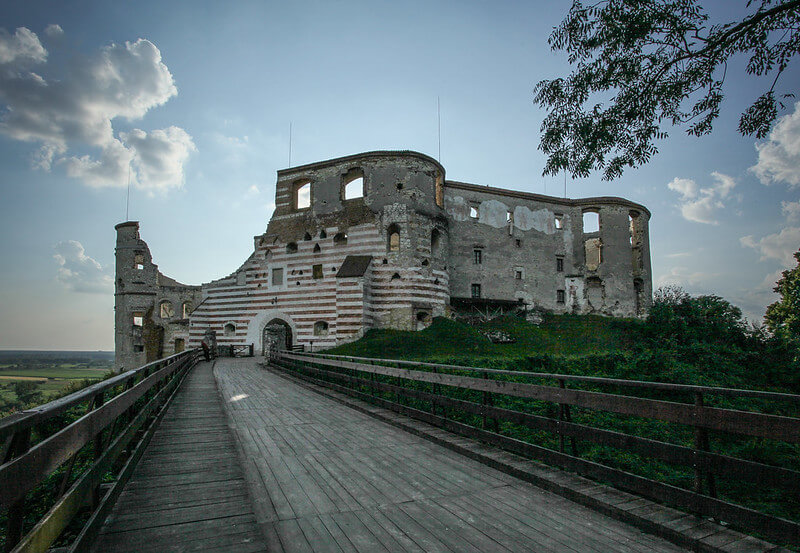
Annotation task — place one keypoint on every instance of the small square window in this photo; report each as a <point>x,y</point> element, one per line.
<point>560,296</point>
<point>518,243</point>
<point>559,264</point>
<point>138,348</point>
<point>277,277</point>
<point>478,256</point>
<point>476,290</point>
<point>518,274</point>
<point>138,319</point>
<point>138,261</point>
<point>317,271</point>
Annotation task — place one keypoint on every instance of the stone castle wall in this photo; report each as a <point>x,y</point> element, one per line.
<point>382,240</point>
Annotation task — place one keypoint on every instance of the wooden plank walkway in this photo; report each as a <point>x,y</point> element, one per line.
<point>327,478</point>
<point>188,492</point>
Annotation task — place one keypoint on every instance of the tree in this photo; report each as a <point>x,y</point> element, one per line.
<point>783,316</point>
<point>656,62</point>
<point>27,392</point>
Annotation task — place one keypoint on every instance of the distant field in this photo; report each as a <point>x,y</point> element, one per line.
<point>51,371</point>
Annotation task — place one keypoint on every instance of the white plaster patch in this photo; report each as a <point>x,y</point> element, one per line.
<point>542,219</point>
<point>458,208</point>
<point>494,214</point>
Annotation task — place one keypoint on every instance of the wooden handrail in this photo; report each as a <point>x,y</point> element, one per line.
<point>663,386</point>
<point>24,465</point>
<point>345,374</point>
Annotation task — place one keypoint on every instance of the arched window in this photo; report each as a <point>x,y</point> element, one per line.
<point>320,328</point>
<point>323,234</point>
<point>229,329</point>
<point>291,247</point>
<point>317,249</point>
<point>591,221</point>
<point>353,184</point>
<point>396,276</point>
<point>166,310</point>
<point>340,239</point>
<point>302,194</point>
<point>307,236</point>
<point>393,238</point>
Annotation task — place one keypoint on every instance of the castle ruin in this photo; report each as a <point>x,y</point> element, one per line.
<point>383,240</point>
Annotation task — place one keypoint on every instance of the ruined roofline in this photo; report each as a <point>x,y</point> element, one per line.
<point>126,224</point>
<point>357,157</point>
<point>574,202</point>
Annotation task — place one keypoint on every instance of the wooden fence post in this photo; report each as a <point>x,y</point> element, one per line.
<point>19,444</point>
<point>701,444</point>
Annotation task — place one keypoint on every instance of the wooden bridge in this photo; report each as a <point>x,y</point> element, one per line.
<point>321,453</point>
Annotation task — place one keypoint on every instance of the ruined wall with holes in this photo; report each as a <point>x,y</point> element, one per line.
<point>382,240</point>
<point>535,249</point>
<point>151,311</point>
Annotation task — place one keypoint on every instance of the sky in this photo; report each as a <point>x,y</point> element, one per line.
<point>191,102</point>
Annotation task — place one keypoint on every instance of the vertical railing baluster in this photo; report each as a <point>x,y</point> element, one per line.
<point>20,443</point>
<point>702,445</point>
<point>98,448</point>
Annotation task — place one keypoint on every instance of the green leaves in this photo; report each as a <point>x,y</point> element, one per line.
<point>639,66</point>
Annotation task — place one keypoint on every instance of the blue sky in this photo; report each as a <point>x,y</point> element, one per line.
<point>196,97</point>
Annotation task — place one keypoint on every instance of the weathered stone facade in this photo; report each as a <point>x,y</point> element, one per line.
<point>381,239</point>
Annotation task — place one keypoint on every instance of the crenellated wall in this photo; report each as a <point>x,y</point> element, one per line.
<point>381,239</point>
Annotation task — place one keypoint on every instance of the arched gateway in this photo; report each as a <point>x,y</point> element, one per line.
<point>277,335</point>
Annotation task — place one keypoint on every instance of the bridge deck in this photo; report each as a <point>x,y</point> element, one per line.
<point>188,492</point>
<point>328,478</point>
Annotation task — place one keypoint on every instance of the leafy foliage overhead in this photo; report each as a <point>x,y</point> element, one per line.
<point>657,61</point>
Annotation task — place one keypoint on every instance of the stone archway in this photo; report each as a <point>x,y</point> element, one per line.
<point>276,335</point>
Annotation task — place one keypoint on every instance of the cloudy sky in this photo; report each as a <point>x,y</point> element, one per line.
<point>192,101</point>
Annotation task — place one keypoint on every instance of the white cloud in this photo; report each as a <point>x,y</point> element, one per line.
<point>53,30</point>
<point>791,210</point>
<point>252,191</point>
<point>21,47</point>
<point>79,272</point>
<point>700,204</point>
<point>682,276</point>
<point>780,245</point>
<point>121,81</point>
<point>779,157</point>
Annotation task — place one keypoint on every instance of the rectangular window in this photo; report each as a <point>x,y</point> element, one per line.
<point>138,318</point>
<point>476,290</point>
<point>138,348</point>
<point>277,277</point>
<point>473,211</point>
<point>518,242</point>
<point>317,271</point>
<point>138,261</point>
<point>560,296</point>
<point>478,256</point>
<point>559,222</point>
<point>518,274</point>
<point>559,264</point>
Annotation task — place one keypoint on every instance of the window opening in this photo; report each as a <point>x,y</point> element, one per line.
<point>229,329</point>
<point>291,247</point>
<point>138,261</point>
<point>518,243</point>
<point>518,274</point>
<point>317,249</point>
<point>473,211</point>
<point>439,190</point>
<point>138,318</point>
<point>394,238</point>
<point>559,219</point>
<point>594,253</point>
<point>166,310</point>
<point>307,236</point>
<point>316,271</point>
<point>475,289</point>
<point>591,221</point>
<point>340,239</point>
<point>320,328</point>
<point>180,344</point>
<point>354,189</point>
<point>277,277</point>
<point>396,276</point>
<point>559,264</point>
<point>560,296</point>
<point>425,263</point>
<point>435,242</point>
<point>323,234</point>
<point>187,308</point>
<point>477,256</point>
<point>302,195</point>
<point>399,185</point>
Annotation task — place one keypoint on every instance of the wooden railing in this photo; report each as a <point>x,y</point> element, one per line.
<point>115,421</point>
<point>467,403</point>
